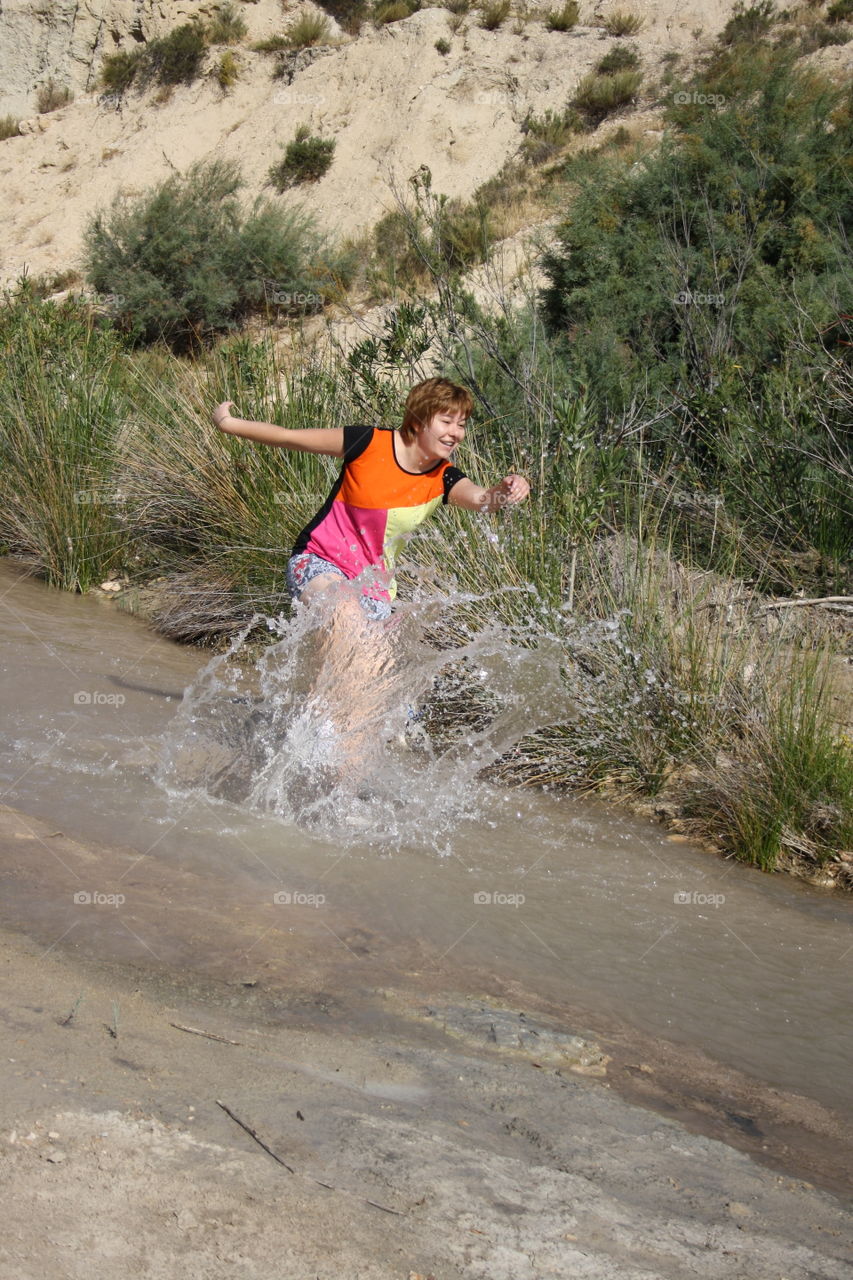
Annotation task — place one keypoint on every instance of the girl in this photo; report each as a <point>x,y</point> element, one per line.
<point>389,483</point>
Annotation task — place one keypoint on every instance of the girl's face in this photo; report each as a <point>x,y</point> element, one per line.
<point>441,435</point>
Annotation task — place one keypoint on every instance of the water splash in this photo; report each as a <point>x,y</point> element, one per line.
<point>364,731</point>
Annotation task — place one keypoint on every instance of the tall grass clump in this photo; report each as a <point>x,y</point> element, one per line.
<point>494,13</point>
<point>187,262</point>
<point>227,26</point>
<point>597,96</point>
<point>220,514</point>
<point>622,23</point>
<point>9,127</point>
<point>781,792</point>
<point>51,97</point>
<point>308,30</point>
<point>62,406</point>
<point>563,19</point>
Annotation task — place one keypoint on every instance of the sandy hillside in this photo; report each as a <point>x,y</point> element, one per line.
<point>391,101</point>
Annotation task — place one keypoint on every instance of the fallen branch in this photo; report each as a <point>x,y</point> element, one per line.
<point>252,1134</point>
<point>793,604</point>
<point>327,1185</point>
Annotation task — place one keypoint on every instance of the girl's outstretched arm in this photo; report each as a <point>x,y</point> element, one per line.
<point>328,440</point>
<point>466,494</point>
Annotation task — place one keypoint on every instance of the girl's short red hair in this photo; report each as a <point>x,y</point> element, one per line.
<point>431,397</point>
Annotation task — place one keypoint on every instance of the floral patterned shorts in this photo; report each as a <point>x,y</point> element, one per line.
<point>306,565</point>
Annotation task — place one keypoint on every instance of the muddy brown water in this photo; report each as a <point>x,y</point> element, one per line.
<point>568,899</point>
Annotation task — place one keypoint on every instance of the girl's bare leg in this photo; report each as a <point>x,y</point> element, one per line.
<point>353,667</point>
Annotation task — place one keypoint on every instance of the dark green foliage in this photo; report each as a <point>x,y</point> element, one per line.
<point>185,263</point>
<point>749,24</point>
<point>177,57</point>
<point>306,159</point>
<point>620,58</point>
<point>717,274</point>
<point>840,11</point>
<point>119,70</point>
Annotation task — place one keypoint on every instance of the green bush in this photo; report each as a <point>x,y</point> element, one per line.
<point>9,127</point>
<point>620,58</point>
<point>840,11</point>
<point>52,96</point>
<point>748,24</point>
<point>598,95</point>
<point>119,70</point>
<point>227,26</point>
<point>186,263</point>
<point>493,13</point>
<point>442,46</point>
<point>715,275</point>
<point>177,57</point>
<point>621,23</point>
<point>546,135</point>
<point>305,159</point>
<point>563,19</point>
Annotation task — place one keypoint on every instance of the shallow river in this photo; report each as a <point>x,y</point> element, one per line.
<point>124,738</point>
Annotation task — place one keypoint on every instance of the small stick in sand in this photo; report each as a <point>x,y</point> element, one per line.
<point>208,1035</point>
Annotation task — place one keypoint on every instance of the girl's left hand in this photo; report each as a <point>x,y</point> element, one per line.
<point>515,488</point>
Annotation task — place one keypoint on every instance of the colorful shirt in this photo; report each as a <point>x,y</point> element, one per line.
<point>374,505</point>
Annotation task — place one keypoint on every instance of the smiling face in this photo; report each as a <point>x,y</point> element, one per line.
<point>444,431</point>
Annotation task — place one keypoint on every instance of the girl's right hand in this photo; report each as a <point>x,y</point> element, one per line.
<point>221,412</point>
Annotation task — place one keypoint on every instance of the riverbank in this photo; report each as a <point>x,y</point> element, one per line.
<point>423,1130</point>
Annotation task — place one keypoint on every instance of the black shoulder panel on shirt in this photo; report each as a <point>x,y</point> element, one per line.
<point>450,475</point>
<point>356,440</point>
